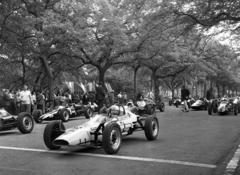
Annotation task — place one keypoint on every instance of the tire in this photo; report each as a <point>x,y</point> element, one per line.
<point>25,123</point>
<point>151,128</point>
<point>36,115</point>
<point>112,138</point>
<point>88,112</point>
<point>235,108</point>
<point>64,115</point>
<point>176,106</point>
<point>150,109</point>
<point>51,133</point>
<point>162,107</point>
<point>210,109</point>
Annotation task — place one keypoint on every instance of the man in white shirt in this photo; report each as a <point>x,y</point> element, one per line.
<point>26,100</point>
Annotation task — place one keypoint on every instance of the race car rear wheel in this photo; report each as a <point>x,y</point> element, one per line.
<point>210,109</point>
<point>150,109</point>
<point>88,112</point>
<point>161,107</point>
<point>64,115</point>
<point>151,128</point>
<point>51,132</point>
<point>25,123</point>
<point>36,115</point>
<point>112,138</point>
<point>235,108</point>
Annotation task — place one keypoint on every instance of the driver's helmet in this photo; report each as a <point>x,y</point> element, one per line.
<point>114,110</point>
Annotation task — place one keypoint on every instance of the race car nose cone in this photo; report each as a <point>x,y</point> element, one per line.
<point>60,142</point>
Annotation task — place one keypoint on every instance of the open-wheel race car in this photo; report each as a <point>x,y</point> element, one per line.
<point>64,112</point>
<point>143,107</point>
<point>223,106</point>
<point>102,130</point>
<point>202,103</point>
<point>24,122</point>
<point>177,101</point>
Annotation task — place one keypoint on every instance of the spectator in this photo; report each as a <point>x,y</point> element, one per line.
<point>100,96</point>
<point>34,99</point>
<point>13,105</point>
<point>139,96</point>
<point>85,99</point>
<point>75,97</point>
<point>26,100</point>
<point>150,95</point>
<point>18,102</point>
<point>125,98</point>
<point>184,96</point>
<point>40,101</point>
<point>210,95</point>
<point>120,98</point>
<point>6,100</point>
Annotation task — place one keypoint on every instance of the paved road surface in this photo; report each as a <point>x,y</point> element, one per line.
<point>191,143</point>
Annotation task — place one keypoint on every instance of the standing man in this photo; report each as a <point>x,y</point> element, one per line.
<point>26,99</point>
<point>6,100</point>
<point>184,96</point>
<point>100,96</point>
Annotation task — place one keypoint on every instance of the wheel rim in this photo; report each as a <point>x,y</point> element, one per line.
<point>66,115</point>
<point>89,112</point>
<point>154,127</point>
<point>115,138</point>
<point>27,122</point>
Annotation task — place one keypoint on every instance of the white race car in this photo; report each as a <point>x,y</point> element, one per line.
<point>104,130</point>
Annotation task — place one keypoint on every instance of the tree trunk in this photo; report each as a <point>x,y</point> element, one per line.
<point>172,93</point>
<point>24,71</point>
<point>49,77</point>
<point>205,90</point>
<point>218,89</point>
<point>223,90</point>
<point>135,81</point>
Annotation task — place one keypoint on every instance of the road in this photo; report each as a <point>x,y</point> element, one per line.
<point>191,143</point>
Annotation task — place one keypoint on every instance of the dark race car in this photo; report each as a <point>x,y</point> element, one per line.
<point>24,122</point>
<point>202,103</point>
<point>64,112</point>
<point>144,107</point>
<point>223,106</point>
<point>177,102</point>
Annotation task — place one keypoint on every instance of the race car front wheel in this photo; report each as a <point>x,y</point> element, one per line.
<point>64,115</point>
<point>51,132</point>
<point>88,112</point>
<point>36,115</point>
<point>112,138</point>
<point>25,123</point>
<point>151,128</point>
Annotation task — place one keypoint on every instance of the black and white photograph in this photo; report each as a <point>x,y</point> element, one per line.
<point>119,87</point>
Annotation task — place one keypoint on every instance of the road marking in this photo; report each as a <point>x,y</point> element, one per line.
<point>17,169</point>
<point>115,157</point>
<point>233,164</point>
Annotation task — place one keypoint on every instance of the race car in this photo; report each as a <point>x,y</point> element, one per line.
<point>161,106</point>
<point>224,106</point>
<point>143,107</point>
<point>24,122</point>
<point>202,103</point>
<point>64,112</point>
<point>102,130</point>
<point>177,102</point>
